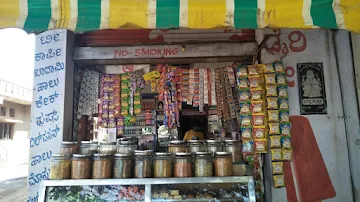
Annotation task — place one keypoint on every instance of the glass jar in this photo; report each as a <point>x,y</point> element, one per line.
<point>214,146</point>
<point>88,148</point>
<point>223,164</point>
<point>183,165</point>
<point>234,146</point>
<point>81,166</point>
<point>196,146</point>
<point>123,166</point>
<point>60,167</point>
<point>102,166</point>
<point>162,165</point>
<point>107,148</point>
<point>203,164</point>
<point>177,146</point>
<point>143,164</point>
<point>126,147</point>
<point>69,148</point>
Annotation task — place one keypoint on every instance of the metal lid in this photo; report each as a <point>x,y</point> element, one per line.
<point>61,156</point>
<point>178,142</point>
<point>98,155</point>
<point>143,153</point>
<point>203,153</point>
<point>183,154</point>
<point>223,154</point>
<point>213,141</point>
<point>80,156</point>
<point>122,155</point>
<point>68,143</point>
<point>162,154</point>
<point>196,142</point>
<point>232,141</point>
<point>86,142</point>
<point>127,142</point>
<point>107,143</point>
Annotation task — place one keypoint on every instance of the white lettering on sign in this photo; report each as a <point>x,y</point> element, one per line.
<point>47,108</point>
<point>315,101</point>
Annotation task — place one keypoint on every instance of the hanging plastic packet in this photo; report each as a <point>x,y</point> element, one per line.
<point>269,68</point>
<point>258,119</point>
<point>245,119</point>
<point>244,96</point>
<point>256,94</point>
<point>259,132</point>
<point>245,108</point>
<point>273,115</point>
<point>285,128</point>
<point>253,70</point>
<point>284,116</point>
<point>255,81</point>
<point>286,154</point>
<point>247,146</point>
<point>272,103</point>
<point>257,107</point>
<point>275,141</point>
<point>284,104</point>
<point>261,68</point>
<point>279,181</point>
<point>282,92</point>
<point>280,79</point>
<point>285,142</point>
<point>270,79</point>
<point>243,83</point>
<point>274,128</point>
<point>271,91</point>
<point>260,146</point>
<point>275,154</point>
<point>242,72</point>
<point>246,132</point>
<point>277,168</point>
<point>279,68</point>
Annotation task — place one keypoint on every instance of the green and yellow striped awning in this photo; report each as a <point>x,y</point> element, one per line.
<point>86,15</point>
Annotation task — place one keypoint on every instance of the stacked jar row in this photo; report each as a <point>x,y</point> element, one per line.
<point>143,164</point>
<point>192,146</point>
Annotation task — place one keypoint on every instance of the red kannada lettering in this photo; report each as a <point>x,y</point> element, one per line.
<point>290,72</point>
<point>297,43</point>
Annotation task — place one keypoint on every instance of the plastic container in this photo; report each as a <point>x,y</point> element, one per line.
<point>60,167</point>
<point>162,165</point>
<point>196,146</point>
<point>123,166</point>
<point>107,148</point>
<point>81,166</point>
<point>203,164</point>
<point>183,165</point>
<point>223,164</point>
<point>143,164</point>
<point>102,166</point>
<point>214,146</point>
<point>178,146</point>
<point>234,146</point>
<point>126,147</point>
<point>69,148</point>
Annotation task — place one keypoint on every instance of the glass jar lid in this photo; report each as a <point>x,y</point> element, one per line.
<point>162,154</point>
<point>122,155</point>
<point>61,157</point>
<point>183,154</point>
<point>98,155</point>
<point>203,153</point>
<point>80,156</point>
<point>230,142</point>
<point>85,142</point>
<point>223,153</point>
<point>108,143</point>
<point>143,152</point>
<point>127,142</point>
<point>176,142</point>
<point>195,142</point>
<point>68,143</point>
<point>213,141</point>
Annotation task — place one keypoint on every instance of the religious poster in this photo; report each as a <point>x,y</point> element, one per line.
<point>311,88</point>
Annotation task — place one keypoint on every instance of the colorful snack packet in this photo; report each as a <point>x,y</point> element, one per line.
<point>247,146</point>
<point>271,91</point>
<point>286,154</point>
<point>273,115</point>
<point>261,68</point>
<point>245,108</point>
<point>279,68</point>
<point>260,146</point>
<point>281,79</point>
<point>258,119</point>
<point>284,104</point>
<point>253,70</point>
<point>257,107</point>
<point>275,141</point>
<point>276,154</point>
<point>284,116</point>
<point>243,83</point>
<point>277,168</point>
<point>282,92</point>
<point>244,96</point>
<point>269,68</point>
<point>256,94</point>
<point>285,142</point>
<point>246,132</point>
<point>272,103</point>
<point>259,132</point>
<point>274,128</point>
<point>245,119</point>
<point>242,72</point>
<point>255,81</point>
<point>285,128</point>
<point>270,79</point>
<point>279,181</point>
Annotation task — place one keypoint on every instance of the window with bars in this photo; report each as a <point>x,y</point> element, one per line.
<point>2,111</point>
<point>12,112</point>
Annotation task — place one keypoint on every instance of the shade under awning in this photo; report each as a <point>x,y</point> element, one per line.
<point>86,15</point>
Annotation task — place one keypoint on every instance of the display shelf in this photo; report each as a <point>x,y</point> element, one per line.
<point>137,135</point>
<point>148,182</point>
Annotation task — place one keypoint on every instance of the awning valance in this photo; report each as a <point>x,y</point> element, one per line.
<point>86,15</point>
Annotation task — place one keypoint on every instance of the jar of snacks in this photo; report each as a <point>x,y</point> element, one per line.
<point>81,166</point>
<point>162,165</point>
<point>88,148</point>
<point>107,148</point>
<point>234,146</point>
<point>69,148</point>
<point>183,165</point>
<point>203,164</point>
<point>123,166</point>
<point>126,147</point>
<point>223,164</point>
<point>196,146</point>
<point>143,164</point>
<point>102,166</point>
<point>60,167</point>
<point>178,146</point>
<point>214,146</point>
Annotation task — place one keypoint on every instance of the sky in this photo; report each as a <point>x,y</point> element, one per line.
<point>17,56</point>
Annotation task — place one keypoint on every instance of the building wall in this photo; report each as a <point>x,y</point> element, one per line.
<point>304,46</point>
<point>22,115</point>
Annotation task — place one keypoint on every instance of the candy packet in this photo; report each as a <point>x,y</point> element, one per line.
<point>246,132</point>
<point>277,168</point>
<point>279,181</point>
<point>270,79</point>
<point>273,115</point>
<point>244,96</point>
<point>260,146</point>
<point>254,81</point>
<point>242,72</point>
<point>253,70</point>
<point>272,103</point>
<point>275,141</point>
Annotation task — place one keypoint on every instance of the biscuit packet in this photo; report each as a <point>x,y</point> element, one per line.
<point>276,155</point>
<point>277,168</point>
<point>259,132</point>
<point>246,132</point>
<point>260,146</point>
<point>275,141</point>
<point>273,115</point>
<point>279,181</point>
